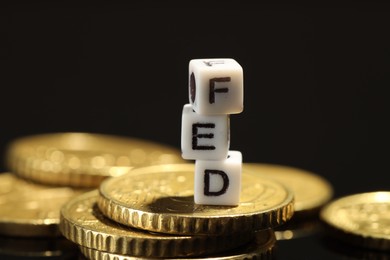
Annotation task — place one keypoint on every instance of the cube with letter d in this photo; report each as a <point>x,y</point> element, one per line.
<point>218,182</point>
<point>204,137</point>
<point>216,86</point>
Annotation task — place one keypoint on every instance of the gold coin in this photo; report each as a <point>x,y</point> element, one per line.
<point>83,159</point>
<point>361,219</point>
<point>311,191</point>
<point>31,210</point>
<point>41,248</point>
<point>84,224</point>
<point>160,199</point>
<point>260,248</point>
<point>349,251</point>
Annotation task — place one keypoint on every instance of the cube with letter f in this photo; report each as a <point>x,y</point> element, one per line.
<point>216,86</point>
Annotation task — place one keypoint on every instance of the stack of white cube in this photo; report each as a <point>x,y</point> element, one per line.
<point>215,91</point>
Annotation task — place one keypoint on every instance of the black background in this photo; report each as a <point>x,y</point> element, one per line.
<point>315,79</point>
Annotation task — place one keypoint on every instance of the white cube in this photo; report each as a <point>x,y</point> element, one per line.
<point>204,137</point>
<point>218,182</point>
<point>216,86</point>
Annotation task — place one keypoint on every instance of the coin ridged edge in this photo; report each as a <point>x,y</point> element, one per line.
<point>310,209</point>
<point>348,236</point>
<point>176,224</point>
<point>94,254</point>
<point>27,168</point>
<point>167,247</point>
<point>249,251</point>
<point>31,166</point>
<point>357,239</point>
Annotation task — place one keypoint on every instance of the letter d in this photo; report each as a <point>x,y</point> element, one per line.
<point>225,180</point>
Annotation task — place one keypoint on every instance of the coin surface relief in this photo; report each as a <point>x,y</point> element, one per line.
<point>311,191</point>
<point>83,159</point>
<point>160,199</point>
<point>361,219</point>
<point>84,224</point>
<point>28,209</point>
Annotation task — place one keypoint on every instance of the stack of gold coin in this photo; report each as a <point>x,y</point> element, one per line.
<point>150,213</point>
<point>311,192</point>
<point>360,219</point>
<point>48,170</point>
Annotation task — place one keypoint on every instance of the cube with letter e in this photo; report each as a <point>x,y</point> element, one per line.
<point>204,137</point>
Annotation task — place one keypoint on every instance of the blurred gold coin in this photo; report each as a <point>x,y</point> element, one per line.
<point>37,248</point>
<point>260,248</point>
<point>31,210</point>
<point>83,159</point>
<point>160,199</point>
<point>311,191</point>
<point>84,224</point>
<point>360,219</point>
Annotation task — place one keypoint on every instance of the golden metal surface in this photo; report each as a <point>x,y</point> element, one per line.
<point>30,210</point>
<point>84,224</point>
<point>37,248</point>
<point>83,159</point>
<point>361,219</point>
<point>311,191</point>
<point>260,248</point>
<point>160,198</point>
